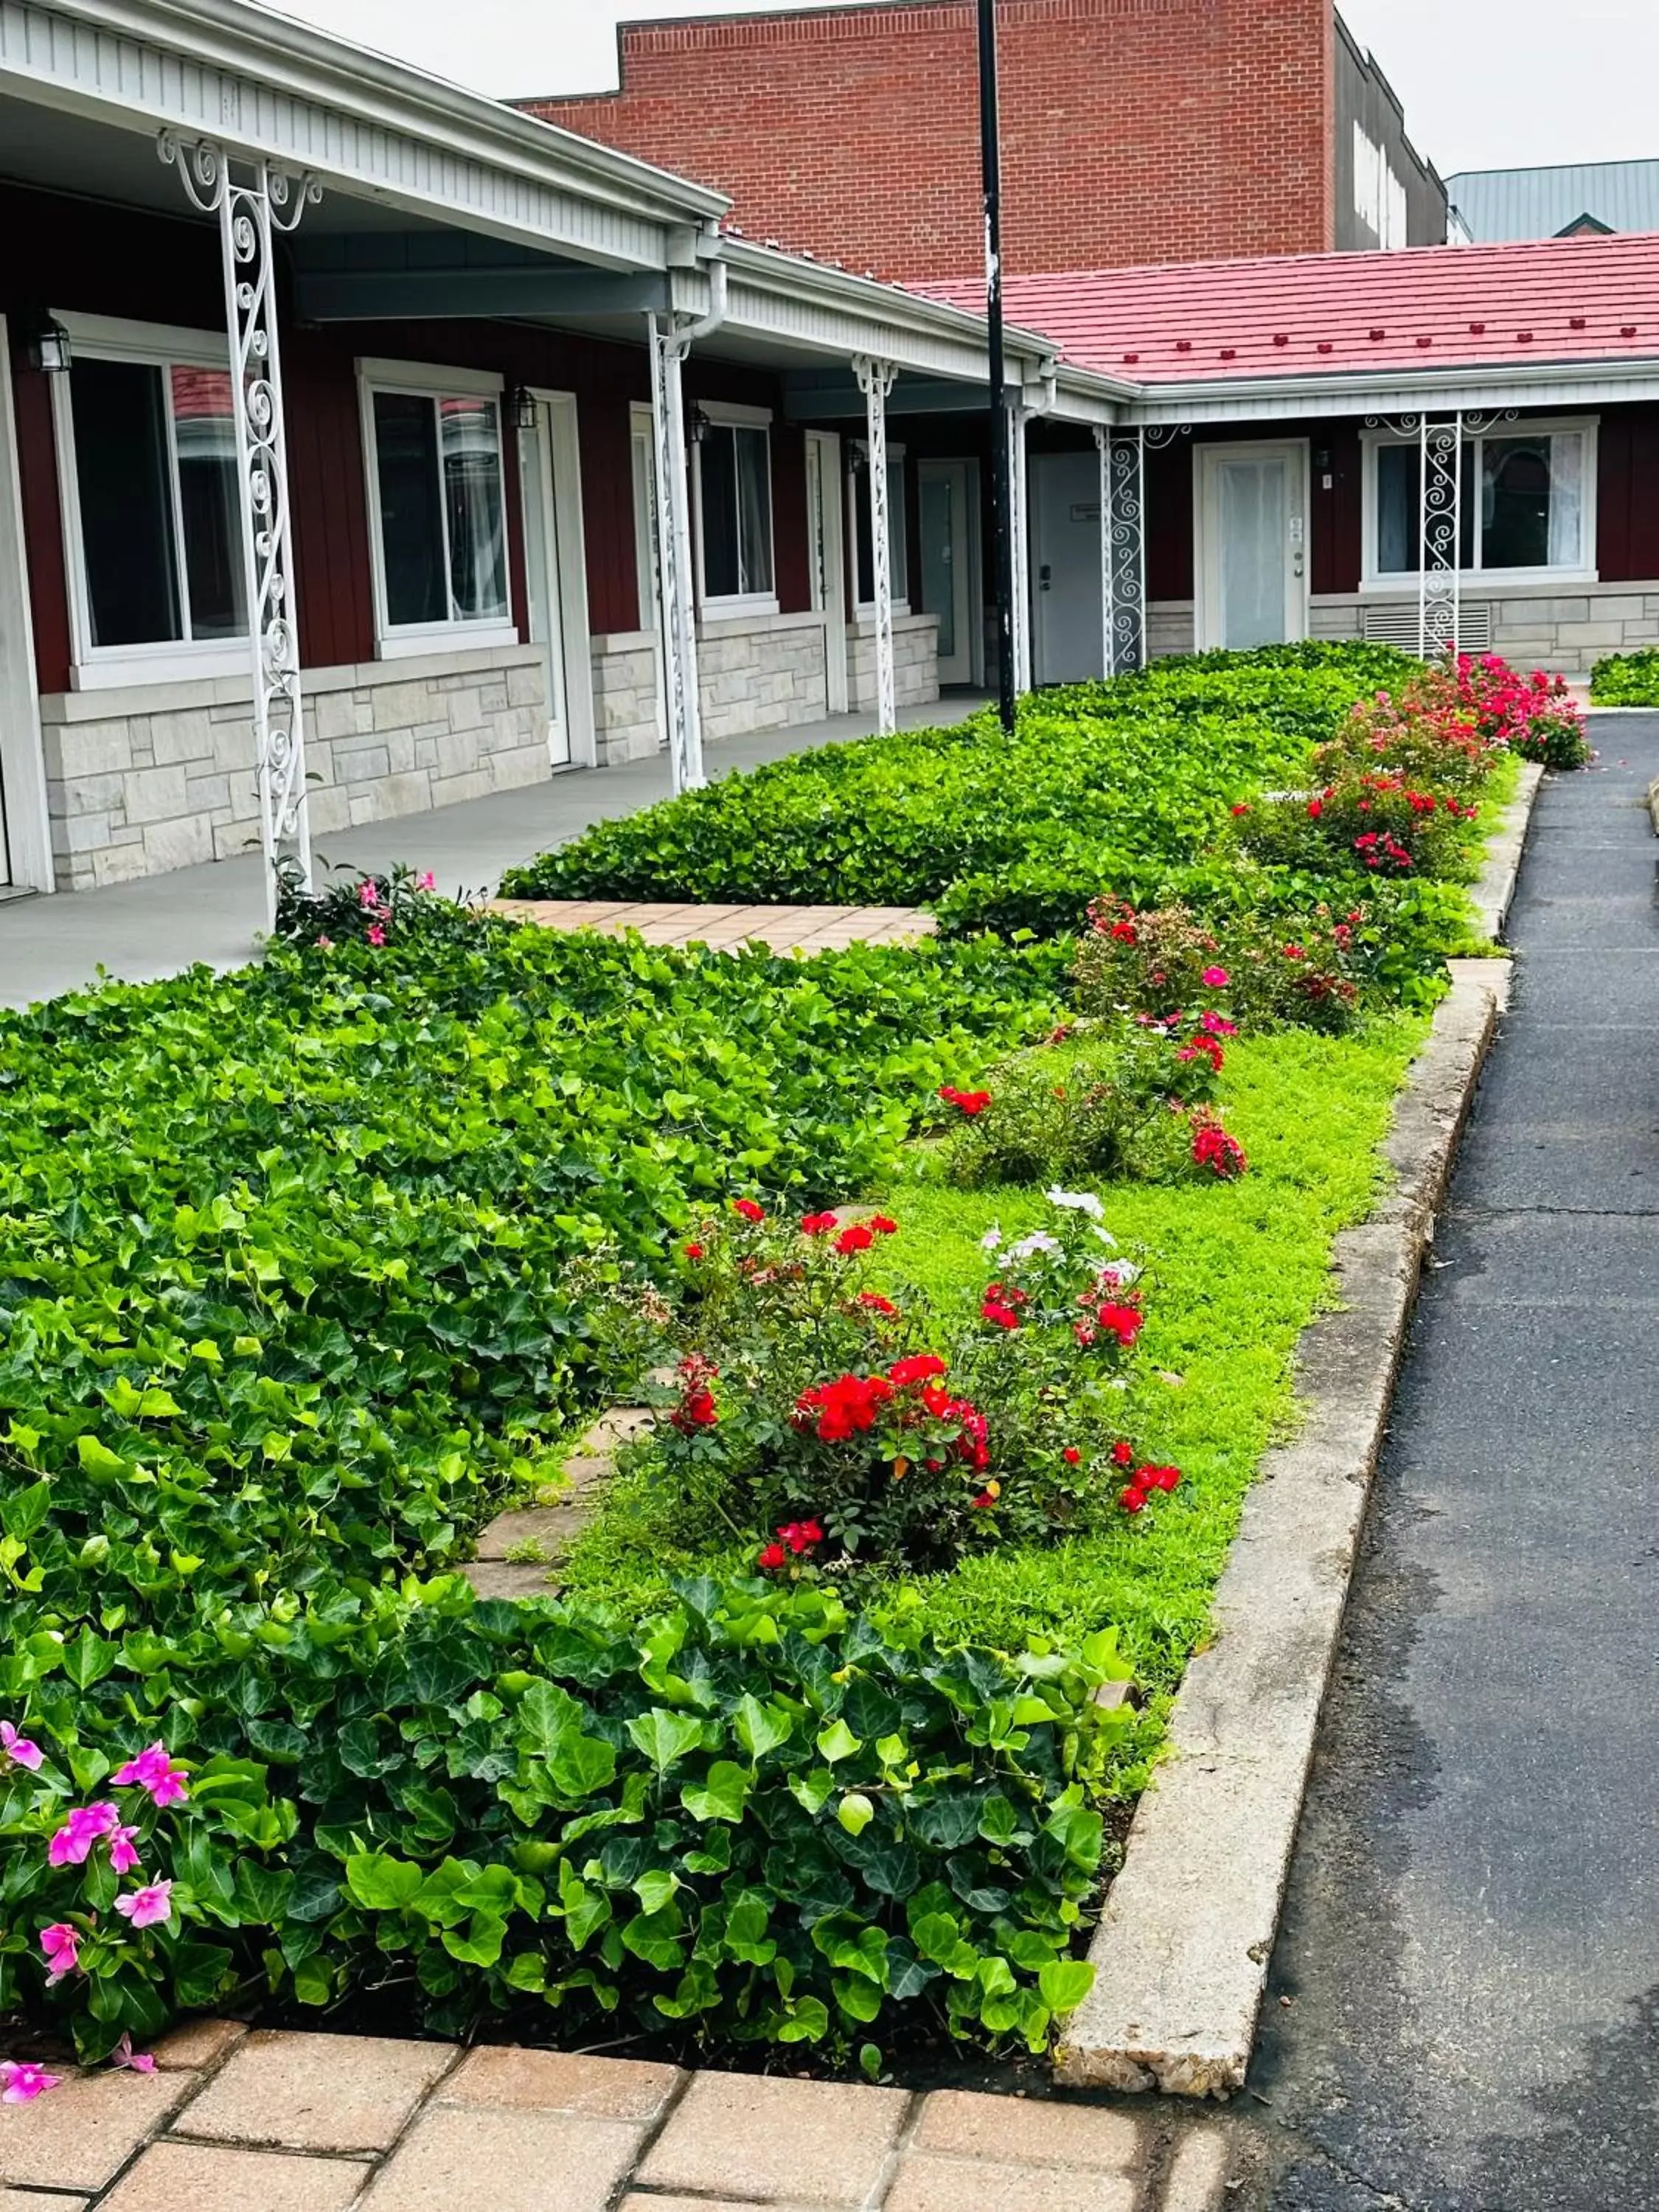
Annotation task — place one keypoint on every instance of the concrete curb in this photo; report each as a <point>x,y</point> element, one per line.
<point>1493,893</point>
<point>1182,1953</point>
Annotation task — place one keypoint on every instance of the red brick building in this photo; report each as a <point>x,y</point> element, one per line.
<point>1133,131</point>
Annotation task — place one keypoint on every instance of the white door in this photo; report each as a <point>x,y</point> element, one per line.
<point>826,550</point>
<point>643,449</point>
<point>554,576</point>
<point>1068,642</point>
<point>1252,545</point>
<point>949,502</point>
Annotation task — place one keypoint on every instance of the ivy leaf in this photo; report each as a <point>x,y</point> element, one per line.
<point>855,1813</point>
<point>1063,1985</point>
<point>581,1764</point>
<point>665,1737</point>
<point>722,1793</point>
<point>837,1741</point>
<point>761,1728</point>
<point>23,1513</point>
<point>380,1884</point>
<point>808,2022</point>
<point>547,1715</point>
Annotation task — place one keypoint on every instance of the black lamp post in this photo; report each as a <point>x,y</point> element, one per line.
<point>1001,488</point>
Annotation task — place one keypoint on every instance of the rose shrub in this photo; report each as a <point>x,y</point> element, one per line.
<point>1304,968</point>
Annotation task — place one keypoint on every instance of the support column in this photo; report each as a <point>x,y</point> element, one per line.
<point>876,380</point>
<point>1122,547</point>
<point>680,698</point>
<point>253,209</point>
<point>1020,532</point>
<point>1439,581</point>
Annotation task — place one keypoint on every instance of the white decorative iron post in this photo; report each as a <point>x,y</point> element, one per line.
<point>876,380</point>
<point>669,348</point>
<point>1122,547</point>
<point>1020,528</point>
<point>1439,579</point>
<point>252,208</point>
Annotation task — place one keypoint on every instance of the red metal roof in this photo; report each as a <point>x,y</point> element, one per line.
<point>1447,307</point>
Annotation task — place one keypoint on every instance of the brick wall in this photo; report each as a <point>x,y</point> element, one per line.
<point>1134,130</point>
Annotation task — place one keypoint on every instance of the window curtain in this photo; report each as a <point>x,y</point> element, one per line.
<point>1567,549</point>
<point>478,529</point>
<point>755,509</point>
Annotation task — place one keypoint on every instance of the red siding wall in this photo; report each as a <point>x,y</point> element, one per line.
<point>1627,495</point>
<point>1134,130</point>
<point>57,253</point>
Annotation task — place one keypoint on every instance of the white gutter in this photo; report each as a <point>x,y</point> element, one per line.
<point>1350,391</point>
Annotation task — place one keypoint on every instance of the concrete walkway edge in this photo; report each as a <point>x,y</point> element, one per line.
<point>1182,1952</point>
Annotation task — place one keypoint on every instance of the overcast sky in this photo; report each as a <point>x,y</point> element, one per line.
<point>1486,83</point>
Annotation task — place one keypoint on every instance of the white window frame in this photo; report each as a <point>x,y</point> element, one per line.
<point>726,606</point>
<point>1392,583</point>
<point>169,660</point>
<point>428,380</point>
<point>859,465</point>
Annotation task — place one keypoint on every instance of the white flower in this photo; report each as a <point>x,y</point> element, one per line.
<point>1080,1201</point>
<point>1038,1240</point>
<point>992,1240</point>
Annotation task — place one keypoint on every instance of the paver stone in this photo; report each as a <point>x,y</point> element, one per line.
<point>82,2133</point>
<point>471,2158</point>
<point>181,2177</point>
<point>316,2092</point>
<point>807,2142</point>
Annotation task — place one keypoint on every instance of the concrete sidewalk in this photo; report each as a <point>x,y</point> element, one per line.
<point>272,2122</point>
<point>214,913</point>
<point>1463,2009</point>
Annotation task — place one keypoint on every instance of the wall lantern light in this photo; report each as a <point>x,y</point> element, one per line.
<point>49,349</point>
<point>521,405</point>
<point>699,427</point>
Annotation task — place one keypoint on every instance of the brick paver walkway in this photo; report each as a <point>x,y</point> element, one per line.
<point>728,928</point>
<point>272,2122</point>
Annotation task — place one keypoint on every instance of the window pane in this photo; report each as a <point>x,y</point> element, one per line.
<point>863,566</point>
<point>412,519</point>
<point>717,460</point>
<point>204,437</point>
<point>1514,503</point>
<point>127,540</point>
<point>898,531</point>
<point>1398,522</point>
<point>754,458</point>
<point>1400,510</point>
<point>473,498</point>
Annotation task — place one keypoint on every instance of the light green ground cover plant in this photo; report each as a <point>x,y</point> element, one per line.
<point>302,1270</point>
<point>1626,679</point>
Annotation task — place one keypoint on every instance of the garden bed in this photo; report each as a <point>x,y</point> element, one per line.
<point>310,1269</point>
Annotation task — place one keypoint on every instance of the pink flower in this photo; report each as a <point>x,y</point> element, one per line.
<point>147,1907</point>
<point>1216,979</point>
<point>59,1943</point>
<point>428,882</point>
<point>75,1838</point>
<point>375,934</point>
<point>325,944</point>
<point>18,1748</point>
<point>124,2055</point>
<point>24,2083</point>
<point>153,1770</point>
<point>368,896</point>
<point>122,1856</point>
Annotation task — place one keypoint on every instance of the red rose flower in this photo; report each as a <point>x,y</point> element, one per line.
<point>1071,1456</point>
<point>858,1238</point>
<point>772,1558</point>
<point>920,1367</point>
<point>1123,1455</point>
<point>1132,1500</point>
<point>818,1225</point>
<point>969,1103</point>
<point>1122,1321</point>
<point>876,1303</point>
<point>694,1252</point>
<point>748,1209</point>
<point>882,1225</point>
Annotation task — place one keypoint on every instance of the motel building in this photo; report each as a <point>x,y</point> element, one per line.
<point>366,447</point>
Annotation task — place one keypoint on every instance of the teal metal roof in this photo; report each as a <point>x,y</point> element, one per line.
<point>1499,205</point>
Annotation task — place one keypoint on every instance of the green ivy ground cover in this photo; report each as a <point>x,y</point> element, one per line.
<point>295,1275</point>
<point>1626,679</point>
<point>1114,786</point>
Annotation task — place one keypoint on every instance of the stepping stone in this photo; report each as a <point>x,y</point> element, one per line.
<point>555,1527</point>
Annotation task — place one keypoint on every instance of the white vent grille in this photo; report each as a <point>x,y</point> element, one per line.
<point>1398,625</point>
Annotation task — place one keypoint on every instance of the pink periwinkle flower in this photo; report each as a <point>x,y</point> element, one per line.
<point>60,1943</point>
<point>153,1770</point>
<point>23,2082</point>
<point>1216,979</point>
<point>1218,1025</point>
<point>428,882</point>
<point>147,1907</point>
<point>18,1748</point>
<point>122,1856</point>
<point>375,934</point>
<point>325,944</point>
<point>368,896</point>
<point>75,1838</point>
<point>123,2055</point>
